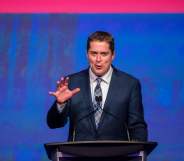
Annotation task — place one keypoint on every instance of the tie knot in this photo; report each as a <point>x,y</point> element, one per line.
<point>99,80</point>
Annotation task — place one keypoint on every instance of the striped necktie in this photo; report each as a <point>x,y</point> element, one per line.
<point>97,102</point>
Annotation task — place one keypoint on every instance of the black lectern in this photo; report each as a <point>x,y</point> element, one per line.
<point>99,150</point>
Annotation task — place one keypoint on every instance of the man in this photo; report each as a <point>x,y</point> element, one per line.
<point>101,102</point>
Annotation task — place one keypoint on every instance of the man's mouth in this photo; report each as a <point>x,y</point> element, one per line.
<point>98,66</point>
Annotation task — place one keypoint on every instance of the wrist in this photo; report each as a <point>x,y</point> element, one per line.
<point>60,103</point>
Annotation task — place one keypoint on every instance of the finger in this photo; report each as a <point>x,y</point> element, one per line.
<point>66,81</point>
<point>60,82</point>
<point>59,85</point>
<point>52,93</point>
<point>75,91</point>
<point>62,78</point>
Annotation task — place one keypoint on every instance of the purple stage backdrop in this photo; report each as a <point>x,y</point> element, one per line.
<point>36,49</point>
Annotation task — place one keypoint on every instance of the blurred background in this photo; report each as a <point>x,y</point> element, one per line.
<point>37,49</point>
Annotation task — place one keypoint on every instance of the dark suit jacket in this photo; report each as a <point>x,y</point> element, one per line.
<point>122,112</point>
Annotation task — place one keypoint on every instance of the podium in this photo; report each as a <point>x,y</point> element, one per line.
<point>99,150</point>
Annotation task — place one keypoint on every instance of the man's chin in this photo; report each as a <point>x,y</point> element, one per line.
<point>99,73</point>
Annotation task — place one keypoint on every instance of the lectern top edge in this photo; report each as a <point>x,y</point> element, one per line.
<point>102,142</point>
<point>147,147</point>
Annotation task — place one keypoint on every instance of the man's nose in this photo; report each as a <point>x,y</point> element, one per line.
<point>98,57</point>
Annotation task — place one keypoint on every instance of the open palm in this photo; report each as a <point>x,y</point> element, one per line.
<point>63,93</point>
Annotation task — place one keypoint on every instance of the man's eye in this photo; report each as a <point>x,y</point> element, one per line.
<point>93,53</point>
<point>104,53</point>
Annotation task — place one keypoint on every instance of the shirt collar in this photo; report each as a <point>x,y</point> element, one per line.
<point>106,78</point>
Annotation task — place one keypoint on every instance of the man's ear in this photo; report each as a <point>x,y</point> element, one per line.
<point>87,56</point>
<point>113,55</point>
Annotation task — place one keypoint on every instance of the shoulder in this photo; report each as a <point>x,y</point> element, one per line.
<point>125,78</point>
<point>124,75</point>
<point>78,79</point>
<point>80,74</point>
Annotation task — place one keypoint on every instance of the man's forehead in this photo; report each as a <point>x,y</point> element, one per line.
<point>99,43</point>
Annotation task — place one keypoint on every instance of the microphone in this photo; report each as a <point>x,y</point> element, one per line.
<point>98,99</point>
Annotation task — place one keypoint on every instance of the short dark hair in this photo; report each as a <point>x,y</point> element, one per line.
<point>101,36</point>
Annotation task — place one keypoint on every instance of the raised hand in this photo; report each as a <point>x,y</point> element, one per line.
<point>63,93</point>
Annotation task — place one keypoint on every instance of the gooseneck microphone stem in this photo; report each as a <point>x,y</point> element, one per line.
<point>98,100</point>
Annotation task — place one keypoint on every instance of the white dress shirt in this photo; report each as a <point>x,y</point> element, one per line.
<point>104,83</point>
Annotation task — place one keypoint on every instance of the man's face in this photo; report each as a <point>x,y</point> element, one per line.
<point>100,57</point>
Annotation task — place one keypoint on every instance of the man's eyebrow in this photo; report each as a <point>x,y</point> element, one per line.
<point>104,52</point>
<point>93,51</point>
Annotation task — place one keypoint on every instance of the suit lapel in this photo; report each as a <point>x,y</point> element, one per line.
<point>88,98</point>
<point>109,99</point>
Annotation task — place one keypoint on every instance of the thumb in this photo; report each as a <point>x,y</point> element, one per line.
<point>75,91</point>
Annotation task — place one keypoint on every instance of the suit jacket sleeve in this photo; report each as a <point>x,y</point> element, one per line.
<point>136,124</point>
<point>56,119</point>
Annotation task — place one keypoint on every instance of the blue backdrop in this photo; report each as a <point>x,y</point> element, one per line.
<point>36,49</point>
